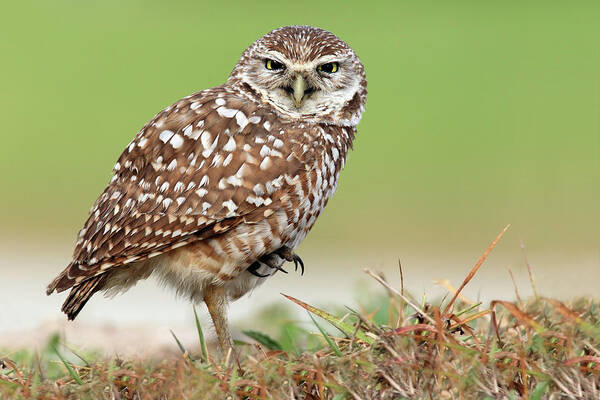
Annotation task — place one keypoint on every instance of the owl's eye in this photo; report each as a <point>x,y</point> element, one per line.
<point>273,65</point>
<point>330,68</point>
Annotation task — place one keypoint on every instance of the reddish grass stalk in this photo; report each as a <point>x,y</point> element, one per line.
<point>410,303</point>
<point>512,278</point>
<point>475,268</point>
<point>531,280</point>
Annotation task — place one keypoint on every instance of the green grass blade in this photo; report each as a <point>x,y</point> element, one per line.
<point>539,391</point>
<point>345,328</point>
<point>474,306</point>
<point>180,345</point>
<point>201,336</point>
<point>263,339</point>
<point>331,343</point>
<point>86,362</point>
<point>288,342</point>
<point>72,372</point>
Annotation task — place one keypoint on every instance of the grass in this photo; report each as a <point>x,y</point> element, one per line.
<point>395,348</point>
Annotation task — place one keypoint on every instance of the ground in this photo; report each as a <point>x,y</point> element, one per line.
<point>394,348</point>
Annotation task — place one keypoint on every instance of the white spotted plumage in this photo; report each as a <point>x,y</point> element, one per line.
<point>225,177</point>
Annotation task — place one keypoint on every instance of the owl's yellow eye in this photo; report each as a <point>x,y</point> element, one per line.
<point>330,68</point>
<point>273,65</point>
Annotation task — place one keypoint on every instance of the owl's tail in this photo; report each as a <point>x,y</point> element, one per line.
<point>80,294</point>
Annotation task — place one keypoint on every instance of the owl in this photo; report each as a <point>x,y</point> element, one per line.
<point>215,193</point>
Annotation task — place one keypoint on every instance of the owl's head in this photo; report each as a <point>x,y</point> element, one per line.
<point>306,74</point>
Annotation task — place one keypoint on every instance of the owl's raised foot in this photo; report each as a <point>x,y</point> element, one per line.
<point>287,254</point>
<point>253,269</point>
<point>272,261</point>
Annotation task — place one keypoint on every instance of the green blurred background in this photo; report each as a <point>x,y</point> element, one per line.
<point>479,113</point>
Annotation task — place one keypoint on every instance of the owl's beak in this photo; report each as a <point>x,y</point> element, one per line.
<point>298,87</point>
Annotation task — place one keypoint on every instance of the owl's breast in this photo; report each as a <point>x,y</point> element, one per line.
<point>290,203</point>
<point>323,160</point>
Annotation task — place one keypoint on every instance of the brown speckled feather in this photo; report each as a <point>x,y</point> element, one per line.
<point>225,176</point>
<point>80,295</point>
<point>197,169</point>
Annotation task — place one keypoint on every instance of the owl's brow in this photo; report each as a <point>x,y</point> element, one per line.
<point>329,58</point>
<point>275,55</point>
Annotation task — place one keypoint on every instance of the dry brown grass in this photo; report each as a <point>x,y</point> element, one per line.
<point>395,349</point>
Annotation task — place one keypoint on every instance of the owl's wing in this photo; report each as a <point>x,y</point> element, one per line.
<point>198,168</point>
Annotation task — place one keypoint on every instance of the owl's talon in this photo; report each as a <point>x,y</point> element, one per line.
<point>280,269</point>
<point>253,269</point>
<point>271,261</point>
<point>287,254</point>
<point>298,260</point>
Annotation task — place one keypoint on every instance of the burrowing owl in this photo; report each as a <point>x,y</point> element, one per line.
<point>216,191</point>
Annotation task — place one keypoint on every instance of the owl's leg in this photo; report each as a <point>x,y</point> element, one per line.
<point>216,302</point>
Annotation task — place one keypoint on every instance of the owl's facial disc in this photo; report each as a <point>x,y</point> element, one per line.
<point>306,74</point>
<point>313,88</point>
